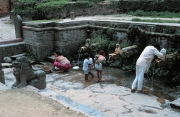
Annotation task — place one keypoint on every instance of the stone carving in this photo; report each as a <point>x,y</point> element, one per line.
<point>117,51</point>
<point>7,60</point>
<point>25,74</point>
<point>130,50</point>
<point>87,45</point>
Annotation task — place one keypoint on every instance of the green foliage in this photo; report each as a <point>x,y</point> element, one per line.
<point>170,50</point>
<point>111,46</point>
<point>54,4</point>
<point>161,72</point>
<point>46,9</point>
<point>125,44</point>
<point>92,1</point>
<point>115,64</point>
<point>127,67</point>
<point>165,14</point>
<point>110,31</point>
<point>155,20</point>
<point>100,39</point>
<point>154,5</point>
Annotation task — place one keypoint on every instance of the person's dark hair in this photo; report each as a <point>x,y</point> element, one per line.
<point>58,53</point>
<point>156,45</point>
<point>101,53</point>
<point>86,55</point>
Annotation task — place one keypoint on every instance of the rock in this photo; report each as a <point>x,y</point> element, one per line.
<point>7,60</point>
<point>175,103</point>
<point>15,56</point>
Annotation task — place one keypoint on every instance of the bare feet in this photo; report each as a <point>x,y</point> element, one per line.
<point>100,80</point>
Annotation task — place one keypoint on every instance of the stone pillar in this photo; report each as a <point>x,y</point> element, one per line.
<point>2,79</point>
<point>18,26</point>
<point>72,15</point>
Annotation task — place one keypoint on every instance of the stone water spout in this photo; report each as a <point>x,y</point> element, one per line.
<point>118,51</point>
<point>170,58</point>
<point>84,49</point>
<point>129,51</point>
<point>87,45</point>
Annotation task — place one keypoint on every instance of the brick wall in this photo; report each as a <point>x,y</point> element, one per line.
<point>5,6</point>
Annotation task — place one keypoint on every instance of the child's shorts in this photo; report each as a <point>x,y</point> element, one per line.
<point>98,66</point>
<point>86,71</point>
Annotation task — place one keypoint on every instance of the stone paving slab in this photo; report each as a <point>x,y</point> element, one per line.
<point>97,99</point>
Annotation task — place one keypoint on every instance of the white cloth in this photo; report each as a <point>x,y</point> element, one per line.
<point>86,64</point>
<point>139,78</point>
<point>91,66</point>
<point>163,51</point>
<point>147,56</point>
<point>98,66</point>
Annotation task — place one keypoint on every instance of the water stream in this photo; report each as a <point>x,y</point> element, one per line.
<point>79,55</point>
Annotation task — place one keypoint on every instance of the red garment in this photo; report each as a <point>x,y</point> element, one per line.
<point>62,67</point>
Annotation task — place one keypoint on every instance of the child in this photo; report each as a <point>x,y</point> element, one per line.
<point>86,65</point>
<point>91,66</point>
<point>99,60</point>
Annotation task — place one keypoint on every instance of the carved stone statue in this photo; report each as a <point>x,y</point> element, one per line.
<point>25,74</point>
<point>87,45</point>
<point>117,51</point>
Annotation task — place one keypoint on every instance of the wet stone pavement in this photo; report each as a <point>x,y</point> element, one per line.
<point>106,99</point>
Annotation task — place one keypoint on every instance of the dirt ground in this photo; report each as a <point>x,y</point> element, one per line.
<point>24,103</point>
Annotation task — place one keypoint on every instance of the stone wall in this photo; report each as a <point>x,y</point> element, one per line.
<point>4,7</point>
<point>42,38</point>
<point>39,42</point>
<point>12,49</point>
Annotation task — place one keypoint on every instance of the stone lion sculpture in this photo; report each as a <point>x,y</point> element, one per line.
<point>25,74</point>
